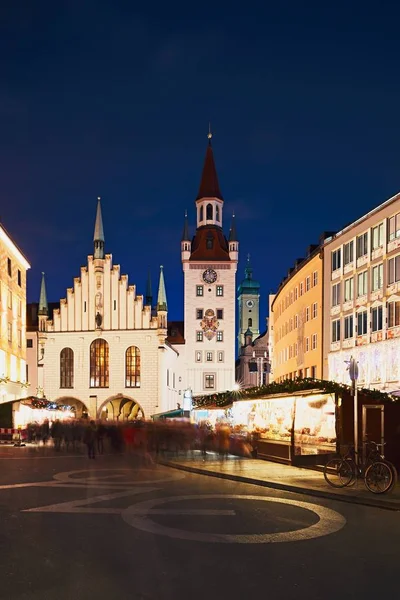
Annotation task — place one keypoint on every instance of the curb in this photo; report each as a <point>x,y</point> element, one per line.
<point>284,487</point>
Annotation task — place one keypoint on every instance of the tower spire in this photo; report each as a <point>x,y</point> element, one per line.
<point>149,293</point>
<point>162,296</point>
<point>98,237</point>
<point>232,231</point>
<point>209,186</point>
<point>43,306</point>
<point>249,269</point>
<point>185,233</point>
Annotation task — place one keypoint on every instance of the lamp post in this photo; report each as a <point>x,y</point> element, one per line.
<point>352,367</point>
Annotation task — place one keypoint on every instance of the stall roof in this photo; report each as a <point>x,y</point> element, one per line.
<point>169,414</point>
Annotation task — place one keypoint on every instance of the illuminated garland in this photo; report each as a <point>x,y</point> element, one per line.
<point>288,386</point>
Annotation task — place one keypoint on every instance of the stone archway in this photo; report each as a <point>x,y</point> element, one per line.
<point>120,408</point>
<point>79,408</point>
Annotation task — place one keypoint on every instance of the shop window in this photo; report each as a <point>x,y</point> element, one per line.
<point>99,364</point>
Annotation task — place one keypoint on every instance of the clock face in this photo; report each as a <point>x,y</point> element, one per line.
<point>209,276</point>
<point>250,303</point>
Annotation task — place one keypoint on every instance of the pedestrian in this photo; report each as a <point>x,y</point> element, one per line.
<point>90,439</point>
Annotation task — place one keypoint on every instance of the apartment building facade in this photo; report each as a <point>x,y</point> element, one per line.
<point>362,299</point>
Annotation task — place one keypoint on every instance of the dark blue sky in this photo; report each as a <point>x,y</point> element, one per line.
<point>100,98</point>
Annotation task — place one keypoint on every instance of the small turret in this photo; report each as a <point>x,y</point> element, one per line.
<point>233,241</point>
<point>162,307</point>
<point>98,237</point>
<point>43,310</point>
<point>186,245</point>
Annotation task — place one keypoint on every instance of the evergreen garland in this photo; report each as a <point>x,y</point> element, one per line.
<point>289,386</point>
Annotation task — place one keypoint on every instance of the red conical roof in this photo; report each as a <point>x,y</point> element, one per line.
<point>209,186</point>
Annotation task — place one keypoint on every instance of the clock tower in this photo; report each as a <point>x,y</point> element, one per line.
<point>249,306</point>
<point>209,262</point>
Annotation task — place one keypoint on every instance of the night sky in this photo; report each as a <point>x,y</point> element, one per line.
<point>103,98</point>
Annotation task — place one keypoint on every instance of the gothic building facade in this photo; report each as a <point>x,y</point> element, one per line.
<point>103,349</point>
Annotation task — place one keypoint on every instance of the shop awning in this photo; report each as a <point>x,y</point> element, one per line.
<point>177,413</point>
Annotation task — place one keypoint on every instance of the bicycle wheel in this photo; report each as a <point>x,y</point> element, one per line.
<point>338,472</point>
<point>379,477</point>
<point>395,476</point>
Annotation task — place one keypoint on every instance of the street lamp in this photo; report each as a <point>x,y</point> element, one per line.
<point>352,367</point>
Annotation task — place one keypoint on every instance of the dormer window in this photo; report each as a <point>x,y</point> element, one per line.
<point>209,212</point>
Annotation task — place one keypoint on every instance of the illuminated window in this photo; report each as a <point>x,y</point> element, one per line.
<point>199,336</point>
<point>9,332</point>
<point>348,253</point>
<point>209,356</point>
<point>19,338</point>
<point>209,381</point>
<point>362,323</point>
<point>362,245</point>
<point>198,356</point>
<point>393,314</point>
<point>336,330</point>
<point>220,336</point>
<point>67,368</point>
<point>99,367</point>
<point>199,290</point>
<point>220,357</point>
<point>377,278</point>
<point>220,290</point>
<point>377,318</point>
<point>336,259</point>
<point>132,367</point>
<point>394,227</point>
<point>348,327</point>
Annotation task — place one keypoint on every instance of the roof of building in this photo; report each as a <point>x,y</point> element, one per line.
<point>185,233</point>
<point>98,226</point>
<point>17,250</point>
<point>209,243</point>
<point>162,295</point>
<point>209,186</point>
<point>176,332</point>
<point>249,285</point>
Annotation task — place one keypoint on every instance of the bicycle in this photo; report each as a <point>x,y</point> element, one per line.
<point>379,475</point>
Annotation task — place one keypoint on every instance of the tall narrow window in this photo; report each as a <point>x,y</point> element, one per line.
<point>19,278</point>
<point>67,368</point>
<point>201,214</point>
<point>9,267</point>
<point>209,212</point>
<point>217,213</point>
<point>99,364</point>
<point>132,367</point>
<point>250,322</point>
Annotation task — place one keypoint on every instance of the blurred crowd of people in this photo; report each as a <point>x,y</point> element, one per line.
<point>149,437</point>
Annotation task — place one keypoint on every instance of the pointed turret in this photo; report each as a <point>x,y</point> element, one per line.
<point>232,231</point>
<point>185,233</point>
<point>98,237</point>
<point>149,293</point>
<point>162,296</point>
<point>43,306</point>
<point>249,269</point>
<point>209,186</point>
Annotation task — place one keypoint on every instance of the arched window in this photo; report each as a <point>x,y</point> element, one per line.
<point>99,367</point>
<point>250,322</point>
<point>201,216</point>
<point>209,212</point>
<point>67,368</point>
<point>217,217</point>
<point>132,367</point>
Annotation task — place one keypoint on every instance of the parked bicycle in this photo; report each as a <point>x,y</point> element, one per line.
<point>379,475</point>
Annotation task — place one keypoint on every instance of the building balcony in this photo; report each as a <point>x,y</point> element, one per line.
<point>393,245</point>
<point>362,340</point>
<point>349,305</point>
<point>361,301</point>
<point>349,268</point>
<point>393,332</point>
<point>335,310</point>
<point>349,343</point>
<point>377,253</point>
<point>377,336</point>
<point>363,260</point>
